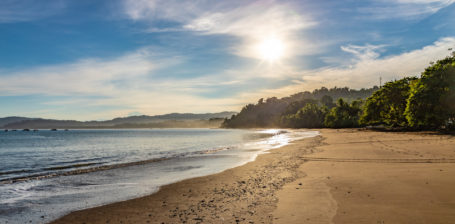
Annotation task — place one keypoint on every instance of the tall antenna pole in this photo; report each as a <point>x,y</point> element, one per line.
<point>380,82</point>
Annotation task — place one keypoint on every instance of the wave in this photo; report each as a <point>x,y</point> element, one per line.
<point>15,171</point>
<point>91,167</point>
<point>86,166</point>
<point>75,172</point>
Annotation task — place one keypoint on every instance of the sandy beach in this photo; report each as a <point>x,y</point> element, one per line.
<point>341,176</point>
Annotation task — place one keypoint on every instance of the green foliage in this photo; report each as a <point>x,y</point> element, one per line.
<point>273,111</point>
<point>310,116</point>
<point>387,105</point>
<point>295,106</point>
<point>431,102</point>
<point>344,115</point>
<point>263,114</point>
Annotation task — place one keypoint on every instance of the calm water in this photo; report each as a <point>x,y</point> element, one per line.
<point>38,180</point>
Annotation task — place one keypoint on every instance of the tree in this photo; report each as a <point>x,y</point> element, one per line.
<point>431,102</point>
<point>343,115</point>
<point>387,105</point>
<point>327,101</point>
<point>272,112</point>
<point>295,106</point>
<point>310,116</point>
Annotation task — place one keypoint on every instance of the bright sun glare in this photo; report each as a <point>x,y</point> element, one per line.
<point>271,49</point>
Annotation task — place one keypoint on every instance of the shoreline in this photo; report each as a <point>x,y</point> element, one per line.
<point>265,157</point>
<point>289,184</point>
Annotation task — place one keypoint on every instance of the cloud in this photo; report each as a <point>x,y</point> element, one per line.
<point>250,22</point>
<point>173,10</point>
<point>256,19</point>
<point>366,52</point>
<point>85,77</point>
<point>402,9</point>
<point>26,10</point>
<point>256,22</point>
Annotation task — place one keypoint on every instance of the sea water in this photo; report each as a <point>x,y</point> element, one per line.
<point>46,174</point>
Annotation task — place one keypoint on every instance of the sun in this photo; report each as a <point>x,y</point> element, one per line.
<point>271,49</point>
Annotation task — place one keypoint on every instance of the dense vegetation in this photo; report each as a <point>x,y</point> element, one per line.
<point>427,102</point>
<point>305,109</point>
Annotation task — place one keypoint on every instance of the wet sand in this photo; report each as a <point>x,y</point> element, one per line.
<point>342,176</point>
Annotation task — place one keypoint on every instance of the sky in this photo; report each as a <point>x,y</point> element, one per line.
<point>96,60</point>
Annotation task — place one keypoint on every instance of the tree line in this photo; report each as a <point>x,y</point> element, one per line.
<point>424,103</point>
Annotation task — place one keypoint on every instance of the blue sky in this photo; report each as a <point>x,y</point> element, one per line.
<point>91,60</point>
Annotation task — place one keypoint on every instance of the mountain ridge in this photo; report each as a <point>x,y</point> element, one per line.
<point>138,121</point>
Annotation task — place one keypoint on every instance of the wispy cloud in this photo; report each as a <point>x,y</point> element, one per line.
<point>26,10</point>
<point>88,76</point>
<point>403,9</point>
<point>173,10</point>
<point>362,53</point>
<point>250,22</point>
<point>255,22</point>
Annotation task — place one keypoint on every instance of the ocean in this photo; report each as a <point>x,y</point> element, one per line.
<point>45,174</point>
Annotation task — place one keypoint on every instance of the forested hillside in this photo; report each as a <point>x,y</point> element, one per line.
<point>274,112</point>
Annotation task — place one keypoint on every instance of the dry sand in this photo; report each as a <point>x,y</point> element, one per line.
<point>343,176</point>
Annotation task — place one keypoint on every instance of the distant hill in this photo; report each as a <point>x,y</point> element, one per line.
<point>173,116</point>
<point>8,120</point>
<point>183,120</point>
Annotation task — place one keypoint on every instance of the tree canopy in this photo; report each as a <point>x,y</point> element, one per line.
<point>387,105</point>
<point>431,102</point>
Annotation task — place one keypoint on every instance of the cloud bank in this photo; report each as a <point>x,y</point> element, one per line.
<point>130,80</point>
